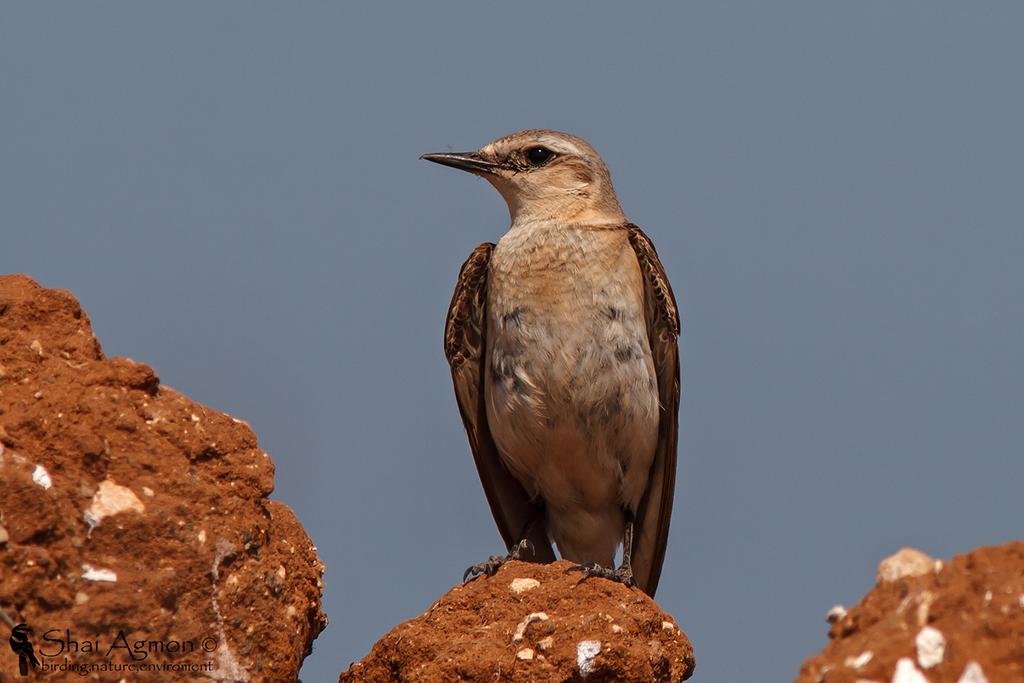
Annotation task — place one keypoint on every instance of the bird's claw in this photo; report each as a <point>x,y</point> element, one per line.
<point>620,575</point>
<point>494,562</point>
<point>490,567</point>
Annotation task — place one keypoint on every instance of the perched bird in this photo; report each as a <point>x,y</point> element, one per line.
<point>562,341</point>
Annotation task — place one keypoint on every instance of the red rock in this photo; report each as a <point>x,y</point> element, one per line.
<point>947,625</point>
<point>181,544</point>
<point>611,632</point>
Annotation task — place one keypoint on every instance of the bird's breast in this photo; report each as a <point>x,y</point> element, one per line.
<point>568,359</point>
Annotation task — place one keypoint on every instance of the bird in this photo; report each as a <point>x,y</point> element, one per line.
<point>562,340</point>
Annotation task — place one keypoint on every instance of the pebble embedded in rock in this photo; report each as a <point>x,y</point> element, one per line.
<point>111,499</point>
<point>521,585</point>
<point>545,643</point>
<point>931,647</point>
<point>972,674</point>
<point>835,614</point>
<point>924,603</point>
<point>91,574</point>
<point>906,672</point>
<point>860,660</point>
<point>906,562</point>
<point>520,632</point>
<point>41,477</point>
<point>586,652</point>
<point>526,654</point>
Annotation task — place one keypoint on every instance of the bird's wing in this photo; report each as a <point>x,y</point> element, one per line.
<point>464,345</point>
<point>650,529</point>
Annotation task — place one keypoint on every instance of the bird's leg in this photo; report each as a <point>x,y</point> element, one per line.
<point>627,548</point>
<point>624,574</point>
<point>494,562</point>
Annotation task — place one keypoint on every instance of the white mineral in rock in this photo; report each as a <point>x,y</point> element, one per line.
<point>523,585</point>
<point>526,654</point>
<point>90,574</point>
<point>111,499</point>
<point>972,674</point>
<point>860,660</point>
<point>931,647</point>
<point>924,603</point>
<point>545,643</point>
<point>41,477</point>
<point>907,562</point>
<point>586,653</point>
<point>835,614</point>
<point>527,620</point>
<point>906,672</point>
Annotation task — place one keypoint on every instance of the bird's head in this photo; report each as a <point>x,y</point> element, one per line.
<point>543,175</point>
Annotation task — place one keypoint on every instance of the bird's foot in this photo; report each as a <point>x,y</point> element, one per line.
<point>623,575</point>
<point>494,562</point>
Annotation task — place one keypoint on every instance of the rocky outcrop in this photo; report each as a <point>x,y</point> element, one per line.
<point>135,525</point>
<point>928,621</point>
<point>532,622</point>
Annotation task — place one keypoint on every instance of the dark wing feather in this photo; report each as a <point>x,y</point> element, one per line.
<point>464,345</point>
<point>650,530</point>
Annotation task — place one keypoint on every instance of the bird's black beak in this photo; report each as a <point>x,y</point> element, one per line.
<point>465,161</point>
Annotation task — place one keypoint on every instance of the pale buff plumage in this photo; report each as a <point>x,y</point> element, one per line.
<point>573,395</point>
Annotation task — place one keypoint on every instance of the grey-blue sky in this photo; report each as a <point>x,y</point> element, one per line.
<point>234,194</point>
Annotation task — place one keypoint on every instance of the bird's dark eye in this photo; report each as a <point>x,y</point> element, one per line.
<point>538,155</point>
